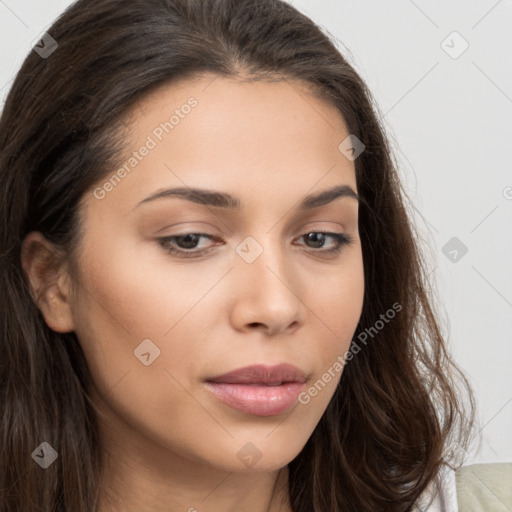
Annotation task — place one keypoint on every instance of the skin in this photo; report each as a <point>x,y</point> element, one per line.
<point>169,443</point>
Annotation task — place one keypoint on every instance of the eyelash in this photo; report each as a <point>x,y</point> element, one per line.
<point>342,240</point>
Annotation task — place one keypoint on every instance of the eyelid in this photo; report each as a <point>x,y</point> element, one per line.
<point>341,240</point>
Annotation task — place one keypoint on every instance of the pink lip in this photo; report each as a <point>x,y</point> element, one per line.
<point>259,390</point>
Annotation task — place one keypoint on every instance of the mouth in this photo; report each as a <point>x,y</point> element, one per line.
<point>259,390</point>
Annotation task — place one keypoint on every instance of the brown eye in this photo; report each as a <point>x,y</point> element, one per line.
<point>184,245</point>
<point>317,239</point>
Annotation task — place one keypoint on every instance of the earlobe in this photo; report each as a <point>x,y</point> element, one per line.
<point>47,274</point>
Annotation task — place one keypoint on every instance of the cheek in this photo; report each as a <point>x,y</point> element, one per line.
<point>138,291</point>
<point>132,294</point>
<point>135,310</point>
<point>338,309</point>
<point>126,297</point>
<point>338,305</point>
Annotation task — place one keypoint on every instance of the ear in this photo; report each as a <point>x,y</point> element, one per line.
<point>47,273</point>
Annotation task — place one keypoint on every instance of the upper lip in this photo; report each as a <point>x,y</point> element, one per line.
<point>262,374</point>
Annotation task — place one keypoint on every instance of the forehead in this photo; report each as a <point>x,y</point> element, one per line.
<point>251,138</point>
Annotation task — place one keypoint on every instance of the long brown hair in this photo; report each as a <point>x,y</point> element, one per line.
<point>384,434</point>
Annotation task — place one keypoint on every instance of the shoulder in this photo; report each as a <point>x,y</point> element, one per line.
<point>484,487</point>
<point>472,488</point>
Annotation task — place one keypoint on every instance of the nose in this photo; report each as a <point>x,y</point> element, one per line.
<point>267,295</point>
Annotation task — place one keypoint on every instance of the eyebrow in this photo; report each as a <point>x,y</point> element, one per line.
<point>227,201</point>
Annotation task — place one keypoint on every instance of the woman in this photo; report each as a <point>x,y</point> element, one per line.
<point>214,299</point>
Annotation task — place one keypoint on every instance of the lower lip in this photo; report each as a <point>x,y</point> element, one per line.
<point>259,400</point>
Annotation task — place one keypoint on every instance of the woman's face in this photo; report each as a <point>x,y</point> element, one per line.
<point>248,287</point>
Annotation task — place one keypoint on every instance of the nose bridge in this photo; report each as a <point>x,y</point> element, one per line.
<point>267,281</point>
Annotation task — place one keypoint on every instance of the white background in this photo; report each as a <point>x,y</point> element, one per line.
<point>449,121</point>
